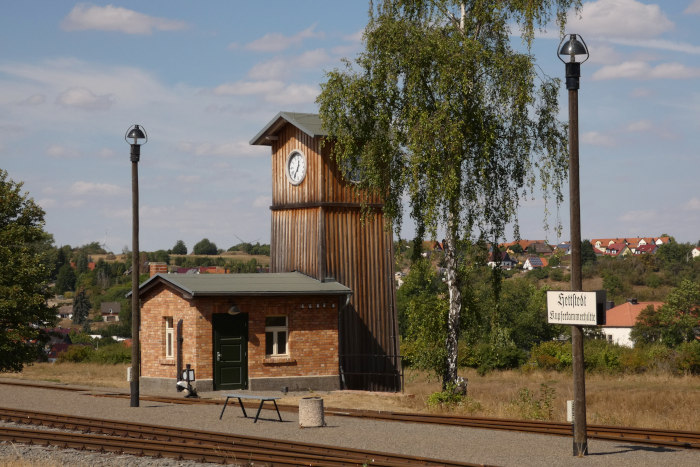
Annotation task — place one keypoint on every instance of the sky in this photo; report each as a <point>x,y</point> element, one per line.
<point>203,78</point>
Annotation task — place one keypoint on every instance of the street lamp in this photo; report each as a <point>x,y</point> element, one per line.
<point>135,136</point>
<point>571,47</point>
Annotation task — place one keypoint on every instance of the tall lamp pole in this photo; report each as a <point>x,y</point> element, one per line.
<point>570,47</point>
<point>134,134</point>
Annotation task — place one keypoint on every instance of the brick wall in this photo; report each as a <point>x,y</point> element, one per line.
<point>155,268</point>
<point>312,343</point>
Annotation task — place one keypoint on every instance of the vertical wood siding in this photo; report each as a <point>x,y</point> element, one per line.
<point>317,229</point>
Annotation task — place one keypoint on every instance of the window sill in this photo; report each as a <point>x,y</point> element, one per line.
<point>279,360</point>
<point>167,361</point>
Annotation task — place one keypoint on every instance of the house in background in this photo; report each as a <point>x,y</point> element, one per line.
<point>534,262</point>
<point>539,247</point>
<point>65,312</point>
<point>505,263</point>
<point>110,311</point>
<point>646,249</point>
<point>617,249</point>
<point>565,247</point>
<point>602,244</point>
<point>620,320</point>
<point>695,252</point>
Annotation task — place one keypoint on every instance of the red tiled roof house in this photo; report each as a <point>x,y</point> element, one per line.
<point>621,319</point>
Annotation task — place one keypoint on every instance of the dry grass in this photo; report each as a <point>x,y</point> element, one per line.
<point>648,401</point>
<point>87,374</point>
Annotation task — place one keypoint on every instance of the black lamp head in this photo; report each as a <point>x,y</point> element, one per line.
<point>571,47</point>
<point>134,134</point>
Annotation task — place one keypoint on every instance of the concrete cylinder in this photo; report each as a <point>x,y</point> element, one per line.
<point>311,412</point>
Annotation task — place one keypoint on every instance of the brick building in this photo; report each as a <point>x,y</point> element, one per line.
<point>241,331</point>
<point>324,318</point>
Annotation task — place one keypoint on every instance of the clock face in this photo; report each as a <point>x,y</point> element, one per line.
<point>296,167</point>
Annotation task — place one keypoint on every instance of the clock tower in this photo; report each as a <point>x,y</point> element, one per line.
<point>318,229</point>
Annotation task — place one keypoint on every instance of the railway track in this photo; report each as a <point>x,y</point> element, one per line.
<point>202,446</point>
<point>656,437</point>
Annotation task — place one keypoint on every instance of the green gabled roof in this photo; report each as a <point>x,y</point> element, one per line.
<point>310,124</point>
<point>283,283</point>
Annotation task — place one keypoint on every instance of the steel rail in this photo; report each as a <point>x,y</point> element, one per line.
<point>656,437</point>
<point>221,442</point>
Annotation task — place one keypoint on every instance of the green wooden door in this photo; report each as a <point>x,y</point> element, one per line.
<point>230,351</point>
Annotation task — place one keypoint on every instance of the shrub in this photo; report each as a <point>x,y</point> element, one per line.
<point>600,355</point>
<point>76,354</point>
<point>687,359</point>
<point>529,407</point>
<point>445,398</point>
<point>551,355</point>
<point>112,354</point>
<point>499,352</point>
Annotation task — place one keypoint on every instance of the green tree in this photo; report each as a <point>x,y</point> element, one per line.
<point>422,316</point>
<point>441,108</point>
<point>26,259</point>
<point>65,280</point>
<point>159,256</point>
<point>612,284</point>
<point>81,262</point>
<point>205,247</point>
<point>587,253</point>
<point>81,308</point>
<point>180,248</point>
<point>677,321</point>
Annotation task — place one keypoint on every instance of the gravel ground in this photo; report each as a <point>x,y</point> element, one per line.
<point>455,443</point>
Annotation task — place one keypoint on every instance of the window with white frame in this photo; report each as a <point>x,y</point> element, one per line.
<point>276,333</point>
<point>169,338</point>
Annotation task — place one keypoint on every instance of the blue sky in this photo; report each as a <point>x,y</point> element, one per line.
<point>204,77</point>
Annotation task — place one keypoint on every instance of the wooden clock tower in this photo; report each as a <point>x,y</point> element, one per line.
<point>317,230</point>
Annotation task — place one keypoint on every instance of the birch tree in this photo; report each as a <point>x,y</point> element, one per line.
<point>441,116</point>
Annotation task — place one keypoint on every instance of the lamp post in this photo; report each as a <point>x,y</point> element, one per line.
<point>133,135</point>
<point>570,47</point>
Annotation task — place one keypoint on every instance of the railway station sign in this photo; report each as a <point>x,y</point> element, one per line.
<point>576,308</point>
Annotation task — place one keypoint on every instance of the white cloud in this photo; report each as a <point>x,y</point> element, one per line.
<point>639,216</point>
<point>232,149</point>
<point>596,138</point>
<point>276,42</point>
<point>34,99</point>
<point>294,94</point>
<point>273,91</point>
<point>110,18</point>
<point>91,188</point>
<point>47,203</point>
<point>85,99</point>
<point>357,36</point>
<point>262,202</point>
<point>105,153</point>
<point>283,66</point>
<point>640,126</point>
<point>660,44</point>
<point>247,88</point>
<point>620,19</point>
<point>693,204</point>
<point>603,54</point>
<point>78,82</point>
<point>312,59</point>
<point>62,152</point>
<point>641,93</point>
<point>643,70</point>
<point>693,8</point>
<point>188,179</point>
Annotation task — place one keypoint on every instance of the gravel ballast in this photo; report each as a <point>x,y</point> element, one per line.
<point>440,442</point>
